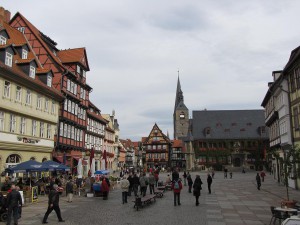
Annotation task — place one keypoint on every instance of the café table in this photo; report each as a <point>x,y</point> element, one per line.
<point>288,211</point>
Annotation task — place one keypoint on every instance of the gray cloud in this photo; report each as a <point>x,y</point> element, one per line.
<point>225,52</point>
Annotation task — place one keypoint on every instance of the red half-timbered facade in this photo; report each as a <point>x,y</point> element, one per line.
<point>69,69</point>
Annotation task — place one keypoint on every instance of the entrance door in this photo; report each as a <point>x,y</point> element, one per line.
<point>237,162</point>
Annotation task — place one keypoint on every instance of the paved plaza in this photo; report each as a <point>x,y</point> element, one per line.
<point>233,201</point>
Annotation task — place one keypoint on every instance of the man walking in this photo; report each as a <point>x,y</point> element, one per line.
<point>14,200</point>
<point>53,204</point>
<point>258,181</point>
<point>209,182</point>
<point>124,186</point>
<point>151,179</point>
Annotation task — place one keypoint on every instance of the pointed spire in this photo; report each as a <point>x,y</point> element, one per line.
<point>179,93</point>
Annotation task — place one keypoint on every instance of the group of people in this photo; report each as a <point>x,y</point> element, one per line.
<point>176,185</point>
<point>138,184</point>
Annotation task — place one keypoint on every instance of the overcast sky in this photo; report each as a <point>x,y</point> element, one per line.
<point>225,52</point>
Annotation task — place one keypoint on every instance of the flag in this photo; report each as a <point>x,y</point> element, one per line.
<point>92,155</point>
<point>104,158</point>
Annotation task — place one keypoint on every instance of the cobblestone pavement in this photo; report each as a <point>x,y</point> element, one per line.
<point>233,201</point>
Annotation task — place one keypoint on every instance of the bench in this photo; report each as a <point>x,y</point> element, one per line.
<point>162,188</point>
<point>159,193</point>
<point>141,202</point>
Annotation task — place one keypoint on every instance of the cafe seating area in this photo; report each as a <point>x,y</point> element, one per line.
<point>279,214</point>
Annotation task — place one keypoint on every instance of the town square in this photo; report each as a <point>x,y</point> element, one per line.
<point>161,112</point>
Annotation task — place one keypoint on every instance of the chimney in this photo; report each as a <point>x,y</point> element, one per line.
<point>4,15</point>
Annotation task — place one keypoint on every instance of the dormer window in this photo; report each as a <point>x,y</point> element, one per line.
<point>78,69</point>
<point>21,29</point>
<point>32,72</point>
<point>8,59</point>
<point>24,54</point>
<point>49,80</point>
<point>2,40</point>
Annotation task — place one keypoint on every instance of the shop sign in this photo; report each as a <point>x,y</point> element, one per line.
<point>28,140</point>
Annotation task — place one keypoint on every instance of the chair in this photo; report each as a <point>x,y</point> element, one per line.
<point>277,215</point>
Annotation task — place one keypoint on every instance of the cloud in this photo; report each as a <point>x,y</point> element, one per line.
<point>225,52</point>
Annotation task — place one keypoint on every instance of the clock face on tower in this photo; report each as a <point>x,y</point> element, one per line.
<point>181,116</point>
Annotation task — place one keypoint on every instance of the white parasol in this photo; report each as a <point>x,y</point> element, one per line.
<point>79,168</point>
<point>93,168</point>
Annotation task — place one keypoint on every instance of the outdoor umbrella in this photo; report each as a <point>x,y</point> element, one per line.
<point>102,172</point>
<point>54,166</point>
<point>93,168</point>
<point>79,168</point>
<point>28,166</point>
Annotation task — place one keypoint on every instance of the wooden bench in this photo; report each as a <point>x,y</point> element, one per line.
<point>146,200</point>
<point>159,193</point>
<point>161,188</point>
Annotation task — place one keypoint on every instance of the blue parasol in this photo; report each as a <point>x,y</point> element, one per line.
<point>102,172</point>
<point>54,166</point>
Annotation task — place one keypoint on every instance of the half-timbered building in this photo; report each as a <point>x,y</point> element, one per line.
<point>29,104</point>
<point>69,68</point>
<point>157,147</point>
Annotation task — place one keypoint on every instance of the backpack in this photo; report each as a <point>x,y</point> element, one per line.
<point>176,185</point>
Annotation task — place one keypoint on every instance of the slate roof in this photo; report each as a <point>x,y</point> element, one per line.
<point>228,124</point>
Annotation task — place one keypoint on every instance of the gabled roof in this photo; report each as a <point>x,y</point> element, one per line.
<point>76,55</point>
<point>38,36</point>
<point>293,57</point>
<point>159,134</point>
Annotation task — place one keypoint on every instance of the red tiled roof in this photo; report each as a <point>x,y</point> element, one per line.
<point>38,36</point>
<point>17,36</point>
<point>74,55</point>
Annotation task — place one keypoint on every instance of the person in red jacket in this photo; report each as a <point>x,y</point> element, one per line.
<point>176,186</point>
<point>104,188</point>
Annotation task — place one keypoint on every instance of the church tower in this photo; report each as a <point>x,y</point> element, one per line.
<point>181,114</point>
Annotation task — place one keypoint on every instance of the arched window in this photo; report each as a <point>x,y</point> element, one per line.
<point>14,158</point>
<point>44,159</point>
<point>32,158</point>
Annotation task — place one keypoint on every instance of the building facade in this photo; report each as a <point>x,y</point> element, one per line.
<point>29,105</point>
<point>157,147</point>
<point>220,138</point>
<point>69,69</point>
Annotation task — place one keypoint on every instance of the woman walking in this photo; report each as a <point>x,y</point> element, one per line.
<point>197,187</point>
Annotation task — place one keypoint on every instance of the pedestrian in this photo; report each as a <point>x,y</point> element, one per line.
<point>104,188</point>
<point>124,186</point>
<point>258,181</point>
<point>151,180</point>
<point>177,186</point>
<point>190,182</point>
<point>13,202</point>
<point>168,180</point>
<point>184,177</point>
<point>262,174</point>
<point>197,188</point>
<point>53,204</point>
<point>230,174</point>
<point>209,182</point>
<point>136,183</point>
<point>156,177</point>
<point>130,179</point>
<point>225,173</point>
<point>69,190</point>
<point>143,184</point>
<point>20,205</point>
<point>175,174</point>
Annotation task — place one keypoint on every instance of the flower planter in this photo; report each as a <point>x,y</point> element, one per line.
<point>288,204</point>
